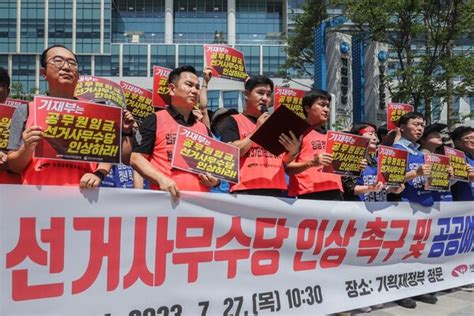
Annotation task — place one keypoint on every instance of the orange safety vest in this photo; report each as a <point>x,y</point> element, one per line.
<point>7,177</point>
<point>53,172</point>
<point>312,179</point>
<point>259,169</point>
<point>166,128</point>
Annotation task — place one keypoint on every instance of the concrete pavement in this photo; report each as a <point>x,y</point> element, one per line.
<point>458,302</point>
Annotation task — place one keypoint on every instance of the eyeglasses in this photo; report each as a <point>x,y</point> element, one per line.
<point>59,62</point>
<point>468,139</point>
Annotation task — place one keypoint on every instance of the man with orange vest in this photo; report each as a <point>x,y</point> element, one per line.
<point>59,68</point>
<point>261,173</point>
<point>307,181</point>
<point>153,145</point>
<point>6,176</point>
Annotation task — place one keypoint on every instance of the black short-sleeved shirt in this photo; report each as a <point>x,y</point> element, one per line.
<point>144,140</point>
<point>229,129</point>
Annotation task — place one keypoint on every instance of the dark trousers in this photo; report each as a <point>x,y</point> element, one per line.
<point>264,192</point>
<point>331,195</point>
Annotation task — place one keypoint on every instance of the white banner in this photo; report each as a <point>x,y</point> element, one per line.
<point>132,252</point>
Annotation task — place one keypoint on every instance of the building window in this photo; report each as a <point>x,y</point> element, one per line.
<point>107,25</point>
<point>213,100</point>
<point>200,21</point>
<point>135,58</point>
<point>259,21</point>
<point>24,72</point>
<point>88,27</point>
<point>436,108</point>
<point>7,26</point>
<point>103,66</point>
<point>115,61</point>
<point>60,23</point>
<point>84,65</point>
<point>4,61</point>
<point>138,21</point>
<point>163,56</point>
<point>273,58</point>
<point>32,26</point>
<point>252,58</point>
<point>231,99</point>
<point>192,55</point>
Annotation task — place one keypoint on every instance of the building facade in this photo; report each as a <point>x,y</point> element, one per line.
<point>123,39</point>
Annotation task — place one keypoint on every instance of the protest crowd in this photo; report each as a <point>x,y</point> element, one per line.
<point>305,167</point>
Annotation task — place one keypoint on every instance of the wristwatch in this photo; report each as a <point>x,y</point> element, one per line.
<point>99,174</point>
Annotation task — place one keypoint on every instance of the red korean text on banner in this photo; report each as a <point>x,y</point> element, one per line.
<point>392,164</point>
<point>395,111</point>
<point>438,180</point>
<point>6,113</point>
<point>78,130</point>
<point>100,90</point>
<point>16,102</point>
<point>61,254</point>
<point>291,98</point>
<point>161,97</point>
<point>197,242</point>
<point>139,100</point>
<point>457,160</point>
<point>199,153</point>
<point>348,152</point>
<point>226,62</point>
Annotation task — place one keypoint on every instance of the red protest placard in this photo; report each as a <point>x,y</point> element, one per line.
<point>395,111</point>
<point>457,160</point>
<point>348,151</point>
<point>139,100</point>
<point>392,165</point>
<point>226,62</point>
<point>100,90</point>
<point>199,153</point>
<point>6,113</point>
<point>161,97</point>
<point>16,102</point>
<point>438,179</point>
<point>78,130</point>
<point>291,98</point>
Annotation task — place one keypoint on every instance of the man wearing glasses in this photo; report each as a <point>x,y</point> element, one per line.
<point>463,139</point>
<point>59,68</point>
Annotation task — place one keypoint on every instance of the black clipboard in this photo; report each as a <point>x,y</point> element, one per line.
<point>283,120</point>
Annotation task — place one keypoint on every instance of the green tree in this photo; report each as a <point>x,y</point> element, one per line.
<point>16,90</point>
<point>30,96</point>
<point>300,49</point>
<point>423,35</point>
